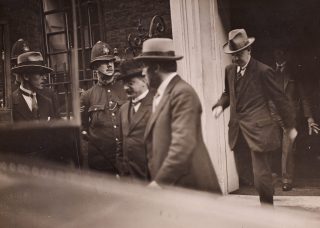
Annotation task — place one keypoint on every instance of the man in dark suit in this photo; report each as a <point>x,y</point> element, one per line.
<point>134,116</point>
<point>249,84</point>
<point>176,151</point>
<point>288,80</point>
<point>30,101</point>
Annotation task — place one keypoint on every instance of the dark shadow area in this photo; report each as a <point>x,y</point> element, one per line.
<point>295,25</point>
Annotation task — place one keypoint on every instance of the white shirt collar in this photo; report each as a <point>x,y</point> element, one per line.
<point>244,68</point>
<point>165,83</point>
<point>281,64</point>
<point>141,96</point>
<point>27,91</point>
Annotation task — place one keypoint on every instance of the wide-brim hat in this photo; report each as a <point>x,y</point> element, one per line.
<point>158,49</point>
<point>237,41</point>
<point>31,62</point>
<point>101,52</point>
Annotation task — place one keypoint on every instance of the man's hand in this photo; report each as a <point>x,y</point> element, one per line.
<point>292,133</point>
<point>313,126</point>
<point>217,111</point>
<point>154,185</point>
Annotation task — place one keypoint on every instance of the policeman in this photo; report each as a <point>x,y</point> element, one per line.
<point>19,47</point>
<point>100,111</point>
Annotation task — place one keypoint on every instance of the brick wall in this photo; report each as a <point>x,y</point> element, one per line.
<point>121,18</point>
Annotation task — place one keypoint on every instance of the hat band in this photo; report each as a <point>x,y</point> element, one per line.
<point>31,63</point>
<point>159,53</point>
<point>234,46</point>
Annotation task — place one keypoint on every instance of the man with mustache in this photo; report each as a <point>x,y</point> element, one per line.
<point>100,112</point>
<point>249,85</point>
<point>134,116</point>
<point>30,102</point>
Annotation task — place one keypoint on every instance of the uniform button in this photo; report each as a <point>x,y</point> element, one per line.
<point>113,114</point>
<point>109,90</point>
<point>114,126</point>
<point>117,139</point>
<point>95,109</point>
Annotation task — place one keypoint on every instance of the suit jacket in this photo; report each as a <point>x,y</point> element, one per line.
<point>21,111</point>
<point>249,110</point>
<point>294,89</point>
<point>176,151</point>
<point>132,132</point>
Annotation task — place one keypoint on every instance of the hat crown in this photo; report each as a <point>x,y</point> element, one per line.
<point>30,57</point>
<point>157,45</point>
<point>100,49</point>
<point>158,49</point>
<point>19,47</point>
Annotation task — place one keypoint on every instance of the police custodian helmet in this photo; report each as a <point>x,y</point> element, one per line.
<point>100,52</point>
<point>19,47</point>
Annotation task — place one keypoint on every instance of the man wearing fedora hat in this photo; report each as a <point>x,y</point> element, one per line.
<point>100,111</point>
<point>134,115</point>
<point>249,84</point>
<point>29,102</point>
<point>176,151</point>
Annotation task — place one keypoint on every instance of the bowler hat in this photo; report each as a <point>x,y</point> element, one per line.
<point>100,52</point>
<point>237,41</point>
<point>19,47</point>
<point>31,62</point>
<point>158,49</point>
<point>130,68</point>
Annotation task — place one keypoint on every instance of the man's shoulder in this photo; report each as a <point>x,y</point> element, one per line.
<point>231,66</point>
<point>261,66</point>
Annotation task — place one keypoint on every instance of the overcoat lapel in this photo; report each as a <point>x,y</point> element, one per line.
<point>125,123</point>
<point>249,73</point>
<point>161,104</point>
<point>142,111</point>
<point>285,79</point>
<point>21,106</point>
<point>44,104</point>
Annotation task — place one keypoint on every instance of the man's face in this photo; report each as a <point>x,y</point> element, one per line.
<point>241,58</point>
<point>135,86</point>
<point>106,72</point>
<point>151,73</point>
<point>279,56</point>
<point>37,81</point>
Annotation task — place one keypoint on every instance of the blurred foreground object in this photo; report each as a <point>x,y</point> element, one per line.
<point>35,197</point>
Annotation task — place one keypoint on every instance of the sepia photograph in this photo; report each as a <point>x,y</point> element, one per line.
<point>159,113</point>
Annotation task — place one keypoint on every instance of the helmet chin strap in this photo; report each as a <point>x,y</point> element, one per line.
<point>105,79</point>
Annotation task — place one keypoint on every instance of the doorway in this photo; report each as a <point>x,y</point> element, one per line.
<point>295,24</point>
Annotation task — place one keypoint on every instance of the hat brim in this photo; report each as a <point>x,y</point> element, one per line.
<point>160,58</point>
<point>100,59</point>
<point>31,69</point>
<point>227,50</point>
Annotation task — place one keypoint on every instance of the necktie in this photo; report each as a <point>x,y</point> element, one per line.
<point>239,74</point>
<point>132,109</point>
<point>34,106</point>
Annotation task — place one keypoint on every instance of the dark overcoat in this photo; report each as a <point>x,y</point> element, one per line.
<point>249,109</point>
<point>132,130</point>
<point>21,111</point>
<point>176,151</point>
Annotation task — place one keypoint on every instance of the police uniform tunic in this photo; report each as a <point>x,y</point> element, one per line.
<point>100,118</point>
